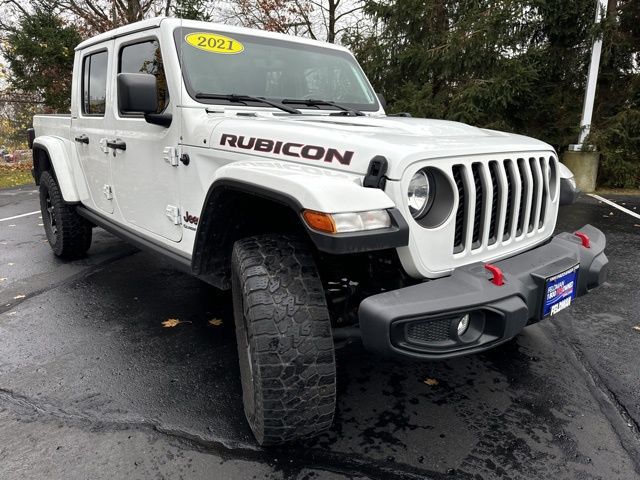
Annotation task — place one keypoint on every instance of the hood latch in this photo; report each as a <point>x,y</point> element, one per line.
<point>375,173</point>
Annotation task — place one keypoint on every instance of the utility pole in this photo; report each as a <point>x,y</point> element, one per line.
<point>592,79</point>
<point>582,159</point>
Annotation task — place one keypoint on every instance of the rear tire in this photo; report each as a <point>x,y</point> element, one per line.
<point>67,232</point>
<point>285,344</point>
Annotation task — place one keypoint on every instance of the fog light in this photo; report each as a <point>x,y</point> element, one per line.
<point>463,324</point>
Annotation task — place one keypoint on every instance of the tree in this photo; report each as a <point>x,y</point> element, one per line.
<point>316,19</point>
<point>97,16</point>
<point>281,16</point>
<point>191,9</point>
<point>616,130</point>
<point>515,65</point>
<point>40,57</point>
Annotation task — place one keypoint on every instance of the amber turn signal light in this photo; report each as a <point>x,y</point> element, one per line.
<point>319,221</point>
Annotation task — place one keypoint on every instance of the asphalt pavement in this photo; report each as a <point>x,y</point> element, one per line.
<point>93,386</point>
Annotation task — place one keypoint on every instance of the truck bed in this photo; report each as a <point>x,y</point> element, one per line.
<point>55,125</point>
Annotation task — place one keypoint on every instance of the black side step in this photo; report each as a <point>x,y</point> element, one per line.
<point>179,261</point>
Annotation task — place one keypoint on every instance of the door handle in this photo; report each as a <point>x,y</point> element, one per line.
<point>116,144</point>
<point>82,139</point>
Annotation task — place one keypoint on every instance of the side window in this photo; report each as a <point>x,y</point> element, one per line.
<point>145,57</point>
<point>94,83</point>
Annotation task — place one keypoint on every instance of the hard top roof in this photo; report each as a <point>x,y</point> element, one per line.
<point>170,22</point>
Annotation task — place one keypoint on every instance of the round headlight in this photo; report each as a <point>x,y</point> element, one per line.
<point>418,194</point>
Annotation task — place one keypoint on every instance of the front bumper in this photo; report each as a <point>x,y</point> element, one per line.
<point>420,322</point>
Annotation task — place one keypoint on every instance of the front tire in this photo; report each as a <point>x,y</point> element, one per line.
<point>285,344</point>
<point>69,234</point>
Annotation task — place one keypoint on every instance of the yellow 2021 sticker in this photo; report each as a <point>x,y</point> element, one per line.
<point>214,43</point>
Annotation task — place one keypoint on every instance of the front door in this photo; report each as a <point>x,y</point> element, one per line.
<point>143,167</point>
<point>91,122</point>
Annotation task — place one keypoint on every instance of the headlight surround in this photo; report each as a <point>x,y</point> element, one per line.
<point>419,194</point>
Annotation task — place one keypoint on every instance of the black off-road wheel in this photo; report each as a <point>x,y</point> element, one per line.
<point>285,344</point>
<point>67,232</point>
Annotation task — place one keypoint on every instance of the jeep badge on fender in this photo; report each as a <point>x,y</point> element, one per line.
<point>285,182</point>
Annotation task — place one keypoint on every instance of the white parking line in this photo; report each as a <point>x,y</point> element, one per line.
<point>615,205</point>
<point>19,216</point>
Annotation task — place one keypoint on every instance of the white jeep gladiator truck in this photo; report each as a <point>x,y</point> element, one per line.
<point>265,164</point>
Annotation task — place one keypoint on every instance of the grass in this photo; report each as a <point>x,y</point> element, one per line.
<point>15,175</point>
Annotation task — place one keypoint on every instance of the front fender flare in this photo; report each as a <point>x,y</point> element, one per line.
<point>300,190</point>
<point>57,152</point>
<point>313,188</point>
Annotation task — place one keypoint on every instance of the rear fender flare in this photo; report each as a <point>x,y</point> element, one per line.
<point>57,151</point>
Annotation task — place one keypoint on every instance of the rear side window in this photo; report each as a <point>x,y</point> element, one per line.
<point>145,57</point>
<point>94,83</point>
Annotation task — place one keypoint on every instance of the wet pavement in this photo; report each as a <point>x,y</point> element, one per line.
<point>92,385</point>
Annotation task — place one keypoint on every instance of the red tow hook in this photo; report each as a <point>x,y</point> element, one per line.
<point>584,238</point>
<point>498,276</point>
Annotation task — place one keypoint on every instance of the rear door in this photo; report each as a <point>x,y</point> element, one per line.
<point>92,121</point>
<point>145,173</point>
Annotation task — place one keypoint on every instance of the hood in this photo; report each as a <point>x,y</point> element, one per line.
<point>349,143</point>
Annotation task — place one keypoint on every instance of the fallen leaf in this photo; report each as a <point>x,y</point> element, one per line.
<point>11,313</point>
<point>432,382</point>
<point>216,322</point>
<point>18,297</point>
<point>173,322</point>
<point>637,327</point>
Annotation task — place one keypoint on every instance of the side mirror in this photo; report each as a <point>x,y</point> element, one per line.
<point>382,100</point>
<point>137,93</point>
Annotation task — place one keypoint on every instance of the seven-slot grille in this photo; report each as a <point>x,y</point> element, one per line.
<point>501,200</point>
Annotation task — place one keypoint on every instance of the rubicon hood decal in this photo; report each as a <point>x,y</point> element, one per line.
<point>333,143</point>
<point>290,149</point>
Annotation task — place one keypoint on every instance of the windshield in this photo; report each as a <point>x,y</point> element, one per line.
<point>228,63</point>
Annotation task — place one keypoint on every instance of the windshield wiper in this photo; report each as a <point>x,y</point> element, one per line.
<point>315,103</point>
<point>232,97</point>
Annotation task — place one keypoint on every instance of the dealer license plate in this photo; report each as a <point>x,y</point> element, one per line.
<point>559,291</point>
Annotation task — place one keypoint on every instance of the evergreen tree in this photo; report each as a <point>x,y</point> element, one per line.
<point>513,64</point>
<point>616,130</point>
<point>40,56</point>
<point>192,10</point>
